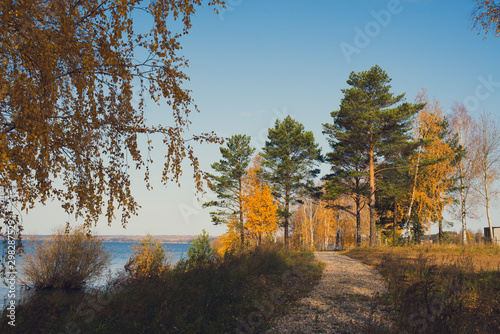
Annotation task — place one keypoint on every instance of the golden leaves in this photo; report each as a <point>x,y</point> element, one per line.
<point>485,17</point>
<point>435,176</point>
<point>68,71</point>
<point>261,211</point>
<point>148,259</point>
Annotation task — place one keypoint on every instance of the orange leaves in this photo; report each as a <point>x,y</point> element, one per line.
<point>261,212</point>
<point>433,162</point>
<point>230,240</point>
<point>148,259</point>
<point>485,17</point>
<point>69,107</point>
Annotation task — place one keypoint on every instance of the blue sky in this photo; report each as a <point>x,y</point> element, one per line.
<point>263,59</point>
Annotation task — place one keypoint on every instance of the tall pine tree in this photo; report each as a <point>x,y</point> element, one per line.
<point>228,184</point>
<point>373,122</point>
<point>288,160</point>
<point>347,178</point>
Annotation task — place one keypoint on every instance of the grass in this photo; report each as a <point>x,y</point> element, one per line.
<point>486,257</point>
<point>242,292</point>
<point>443,289</point>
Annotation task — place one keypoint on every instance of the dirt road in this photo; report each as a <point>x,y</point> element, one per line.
<point>342,302</point>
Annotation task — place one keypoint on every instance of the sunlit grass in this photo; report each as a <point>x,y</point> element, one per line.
<point>440,289</point>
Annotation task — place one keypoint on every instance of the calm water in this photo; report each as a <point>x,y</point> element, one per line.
<point>120,253</point>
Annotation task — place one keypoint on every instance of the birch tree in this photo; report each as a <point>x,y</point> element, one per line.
<point>435,163</point>
<point>75,79</point>
<point>485,17</point>
<point>466,129</point>
<point>488,163</point>
<point>260,209</point>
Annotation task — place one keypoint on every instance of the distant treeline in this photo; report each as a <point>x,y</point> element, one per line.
<point>173,239</point>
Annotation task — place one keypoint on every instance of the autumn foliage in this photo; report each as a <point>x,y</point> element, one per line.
<point>433,165</point>
<point>261,210</point>
<point>260,213</point>
<point>486,17</point>
<point>149,259</point>
<point>75,79</point>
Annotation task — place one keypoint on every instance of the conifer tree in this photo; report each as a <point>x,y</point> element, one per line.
<point>228,184</point>
<point>288,160</point>
<point>393,186</point>
<point>373,122</point>
<point>347,178</point>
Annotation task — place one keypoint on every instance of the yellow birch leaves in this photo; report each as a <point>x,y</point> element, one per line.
<point>75,78</point>
<point>435,157</point>
<point>260,212</point>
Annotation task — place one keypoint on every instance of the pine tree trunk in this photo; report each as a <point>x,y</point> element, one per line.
<point>327,229</point>
<point>358,216</point>
<point>373,228</point>
<point>287,210</point>
<point>242,228</point>
<point>337,239</point>
<point>440,233</point>
<point>394,223</point>
<point>311,224</point>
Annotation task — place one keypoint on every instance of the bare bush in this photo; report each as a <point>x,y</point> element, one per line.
<point>69,259</point>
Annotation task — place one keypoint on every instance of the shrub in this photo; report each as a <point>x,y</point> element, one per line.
<point>149,259</point>
<point>200,253</point>
<point>69,259</point>
<point>247,287</point>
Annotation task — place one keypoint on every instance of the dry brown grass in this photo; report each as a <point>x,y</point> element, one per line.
<point>483,257</point>
<point>440,289</point>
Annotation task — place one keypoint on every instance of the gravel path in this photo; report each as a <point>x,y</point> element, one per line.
<point>342,302</point>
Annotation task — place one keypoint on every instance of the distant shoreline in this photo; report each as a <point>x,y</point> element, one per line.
<point>171,239</point>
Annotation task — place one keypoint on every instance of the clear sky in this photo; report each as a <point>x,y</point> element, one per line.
<point>263,59</point>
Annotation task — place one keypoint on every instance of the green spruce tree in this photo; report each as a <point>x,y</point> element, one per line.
<point>228,184</point>
<point>288,162</point>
